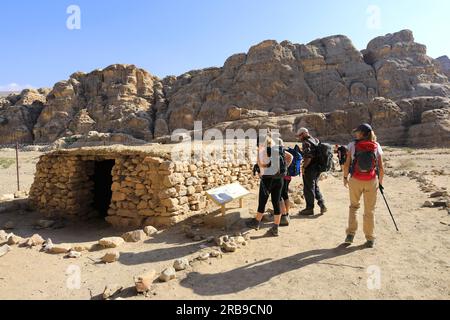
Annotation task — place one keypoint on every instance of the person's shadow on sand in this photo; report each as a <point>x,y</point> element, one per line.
<point>249,276</point>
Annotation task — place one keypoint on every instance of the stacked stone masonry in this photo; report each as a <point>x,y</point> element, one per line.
<point>147,189</point>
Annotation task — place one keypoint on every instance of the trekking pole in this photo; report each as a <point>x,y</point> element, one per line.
<point>387,205</point>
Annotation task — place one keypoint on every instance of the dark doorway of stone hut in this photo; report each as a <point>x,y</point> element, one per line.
<point>102,186</point>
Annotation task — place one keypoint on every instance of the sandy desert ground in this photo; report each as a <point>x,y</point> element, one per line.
<point>307,261</point>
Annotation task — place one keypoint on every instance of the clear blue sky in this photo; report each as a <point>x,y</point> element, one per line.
<point>171,37</point>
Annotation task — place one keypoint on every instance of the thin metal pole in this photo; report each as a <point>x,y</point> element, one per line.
<point>17,165</point>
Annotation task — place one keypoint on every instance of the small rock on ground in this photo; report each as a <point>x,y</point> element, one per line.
<point>74,254</point>
<point>144,282</point>
<point>168,274</point>
<point>149,230</point>
<point>13,239</point>
<point>111,290</point>
<point>134,236</point>
<point>111,257</point>
<point>111,242</point>
<point>4,250</point>
<point>181,264</point>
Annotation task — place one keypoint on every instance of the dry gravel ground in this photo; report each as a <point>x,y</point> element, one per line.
<point>305,262</point>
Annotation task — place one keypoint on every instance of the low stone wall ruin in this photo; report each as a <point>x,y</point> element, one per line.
<point>148,187</point>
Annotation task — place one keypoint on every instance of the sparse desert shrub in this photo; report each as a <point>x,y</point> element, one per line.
<point>5,163</point>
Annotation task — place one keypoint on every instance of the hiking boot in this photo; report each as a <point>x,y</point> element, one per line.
<point>307,212</point>
<point>285,220</point>
<point>323,209</point>
<point>253,224</point>
<point>349,239</point>
<point>370,244</point>
<point>274,230</point>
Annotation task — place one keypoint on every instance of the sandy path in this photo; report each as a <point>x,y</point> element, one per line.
<point>305,262</point>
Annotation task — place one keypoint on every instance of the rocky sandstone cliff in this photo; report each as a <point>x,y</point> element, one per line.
<point>327,85</point>
<point>444,64</point>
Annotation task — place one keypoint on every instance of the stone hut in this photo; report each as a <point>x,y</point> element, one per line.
<point>133,186</point>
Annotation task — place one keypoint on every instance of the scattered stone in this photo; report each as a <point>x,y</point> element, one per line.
<point>74,254</point>
<point>59,248</point>
<point>144,282</point>
<point>439,204</point>
<point>229,246</point>
<point>168,274</point>
<point>48,245</point>
<point>81,247</point>
<point>149,230</point>
<point>20,194</point>
<point>34,240</point>
<point>215,254</point>
<point>134,236</point>
<point>13,239</point>
<point>3,235</point>
<point>9,225</point>
<point>7,197</point>
<point>428,204</point>
<point>239,240</point>
<point>45,224</point>
<point>438,194</point>
<point>181,264</point>
<point>111,242</point>
<point>111,290</point>
<point>110,257</point>
<point>204,256</point>
<point>4,250</point>
<point>198,238</point>
<point>219,241</point>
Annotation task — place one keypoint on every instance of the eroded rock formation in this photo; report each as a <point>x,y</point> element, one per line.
<point>327,85</point>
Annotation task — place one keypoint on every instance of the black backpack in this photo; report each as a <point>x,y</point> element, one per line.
<point>281,169</point>
<point>324,156</point>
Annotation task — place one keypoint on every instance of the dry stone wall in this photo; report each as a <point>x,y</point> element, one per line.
<point>147,189</point>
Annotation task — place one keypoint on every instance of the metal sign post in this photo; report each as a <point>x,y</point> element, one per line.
<point>17,165</point>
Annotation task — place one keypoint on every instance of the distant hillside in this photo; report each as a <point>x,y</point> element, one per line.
<point>6,93</point>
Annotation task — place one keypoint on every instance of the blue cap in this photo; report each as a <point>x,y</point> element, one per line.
<point>364,128</point>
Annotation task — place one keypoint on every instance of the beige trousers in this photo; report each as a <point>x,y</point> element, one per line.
<point>369,190</point>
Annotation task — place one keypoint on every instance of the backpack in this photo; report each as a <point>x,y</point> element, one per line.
<point>276,171</point>
<point>365,162</point>
<point>295,168</point>
<point>324,156</point>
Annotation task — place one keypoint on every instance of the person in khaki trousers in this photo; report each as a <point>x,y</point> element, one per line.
<point>363,173</point>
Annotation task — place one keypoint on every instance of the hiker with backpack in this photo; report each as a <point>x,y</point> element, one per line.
<point>293,170</point>
<point>342,155</point>
<point>363,174</point>
<point>273,162</point>
<point>317,158</point>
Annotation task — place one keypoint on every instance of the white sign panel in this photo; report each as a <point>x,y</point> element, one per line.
<point>228,193</point>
